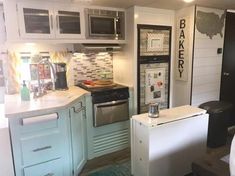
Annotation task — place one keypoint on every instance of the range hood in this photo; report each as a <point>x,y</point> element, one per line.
<point>90,47</point>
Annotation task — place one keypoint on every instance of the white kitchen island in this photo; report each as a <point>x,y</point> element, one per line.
<point>166,146</point>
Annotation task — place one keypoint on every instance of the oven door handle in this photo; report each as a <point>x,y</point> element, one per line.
<point>111,103</point>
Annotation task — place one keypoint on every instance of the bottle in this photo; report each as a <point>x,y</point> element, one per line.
<point>24,92</point>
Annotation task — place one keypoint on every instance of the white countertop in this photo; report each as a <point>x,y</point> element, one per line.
<point>48,103</point>
<point>169,115</point>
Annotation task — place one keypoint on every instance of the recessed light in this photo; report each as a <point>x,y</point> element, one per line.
<point>83,1</point>
<point>188,1</point>
<point>30,44</point>
<point>136,16</point>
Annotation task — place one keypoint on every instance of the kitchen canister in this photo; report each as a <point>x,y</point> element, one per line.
<point>153,110</point>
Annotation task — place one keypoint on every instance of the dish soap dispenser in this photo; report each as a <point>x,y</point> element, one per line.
<point>24,92</point>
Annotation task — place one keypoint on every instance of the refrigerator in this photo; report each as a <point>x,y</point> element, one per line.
<point>153,66</point>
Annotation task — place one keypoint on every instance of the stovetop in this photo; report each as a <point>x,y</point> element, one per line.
<point>106,93</point>
<point>100,88</point>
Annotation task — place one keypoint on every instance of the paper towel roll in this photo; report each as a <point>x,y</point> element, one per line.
<point>232,158</point>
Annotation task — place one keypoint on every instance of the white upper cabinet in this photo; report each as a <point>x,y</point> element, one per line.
<point>50,22</point>
<point>69,22</point>
<point>35,21</point>
<point>39,21</point>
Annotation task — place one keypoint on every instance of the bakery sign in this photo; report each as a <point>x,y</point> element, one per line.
<point>182,49</point>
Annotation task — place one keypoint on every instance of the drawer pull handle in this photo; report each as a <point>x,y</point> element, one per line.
<point>49,174</point>
<point>43,148</point>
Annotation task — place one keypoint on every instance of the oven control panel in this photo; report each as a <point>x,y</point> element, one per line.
<point>110,95</point>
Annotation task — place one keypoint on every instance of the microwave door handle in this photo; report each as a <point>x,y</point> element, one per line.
<point>114,103</point>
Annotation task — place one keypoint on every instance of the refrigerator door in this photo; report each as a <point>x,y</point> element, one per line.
<point>155,85</point>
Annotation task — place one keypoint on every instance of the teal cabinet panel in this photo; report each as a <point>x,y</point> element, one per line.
<point>51,168</point>
<point>50,144</point>
<point>37,149</point>
<point>78,137</point>
<point>40,142</point>
<point>105,139</point>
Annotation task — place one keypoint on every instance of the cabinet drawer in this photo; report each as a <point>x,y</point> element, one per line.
<point>41,148</point>
<point>51,168</point>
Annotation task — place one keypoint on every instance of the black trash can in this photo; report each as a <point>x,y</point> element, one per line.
<point>219,113</point>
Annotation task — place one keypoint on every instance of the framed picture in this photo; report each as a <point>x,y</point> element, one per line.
<point>155,42</point>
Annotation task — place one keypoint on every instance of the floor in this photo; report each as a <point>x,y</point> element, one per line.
<point>106,160</point>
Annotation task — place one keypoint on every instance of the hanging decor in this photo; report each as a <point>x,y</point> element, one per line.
<point>182,49</point>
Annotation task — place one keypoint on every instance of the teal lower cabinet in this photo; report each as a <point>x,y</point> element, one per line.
<point>41,144</point>
<point>78,136</point>
<point>105,139</point>
<point>50,168</point>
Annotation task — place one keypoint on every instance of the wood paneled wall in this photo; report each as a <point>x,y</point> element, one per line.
<point>207,64</point>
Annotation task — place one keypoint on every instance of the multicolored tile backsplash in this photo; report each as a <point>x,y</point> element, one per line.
<point>92,66</point>
<point>79,67</point>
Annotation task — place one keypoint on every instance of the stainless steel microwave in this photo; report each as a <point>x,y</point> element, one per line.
<point>105,24</point>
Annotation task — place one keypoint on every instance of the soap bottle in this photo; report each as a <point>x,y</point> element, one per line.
<point>24,92</point>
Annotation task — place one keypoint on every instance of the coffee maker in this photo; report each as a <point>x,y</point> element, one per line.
<point>61,81</point>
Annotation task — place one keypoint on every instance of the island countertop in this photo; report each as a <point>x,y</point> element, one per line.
<point>48,103</point>
<point>169,115</point>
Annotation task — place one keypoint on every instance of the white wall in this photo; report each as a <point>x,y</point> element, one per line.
<point>2,40</point>
<point>11,20</point>
<point>2,26</point>
<point>182,89</point>
<point>123,62</point>
<point>6,163</point>
<point>207,65</point>
<point>127,63</point>
<point>35,48</point>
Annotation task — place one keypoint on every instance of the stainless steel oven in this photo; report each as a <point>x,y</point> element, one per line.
<point>110,112</point>
<point>110,104</point>
<point>105,24</point>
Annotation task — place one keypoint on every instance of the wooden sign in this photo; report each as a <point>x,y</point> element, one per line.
<point>182,49</point>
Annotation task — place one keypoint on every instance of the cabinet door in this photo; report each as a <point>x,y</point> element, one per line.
<point>69,23</point>
<point>78,137</point>
<point>228,72</point>
<point>35,21</point>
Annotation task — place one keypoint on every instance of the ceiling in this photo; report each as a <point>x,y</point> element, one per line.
<point>164,4</point>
